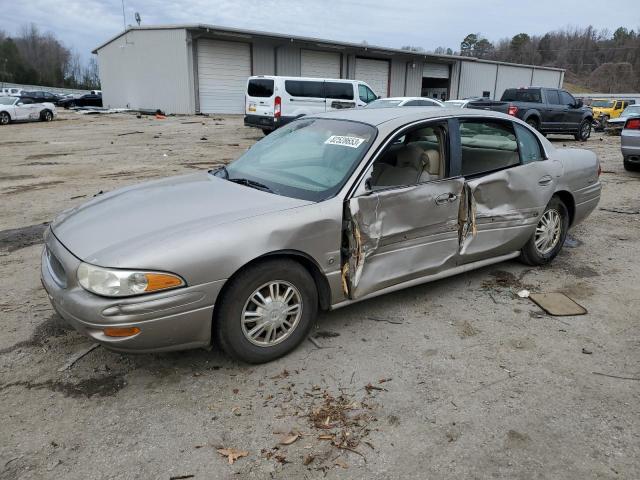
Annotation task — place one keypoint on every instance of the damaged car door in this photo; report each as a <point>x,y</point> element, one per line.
<point>508,183</point>
<point>402,221</point>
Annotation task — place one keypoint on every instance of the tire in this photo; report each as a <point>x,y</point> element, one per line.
<point>4,118</point>
<point>266,132</point>
<point>233,335</point>
<point>533,123</point>
<point>70,105</point>
<point>584,131</point>
<point>46,116</point>
<point>533,255</point>
<point>630,167</point>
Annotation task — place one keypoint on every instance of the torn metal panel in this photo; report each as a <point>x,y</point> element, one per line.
<point>399,234</point>
<point>502,209</point>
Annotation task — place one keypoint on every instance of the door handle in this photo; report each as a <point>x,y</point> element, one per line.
<point>446,198</point>
<point>546,180</point>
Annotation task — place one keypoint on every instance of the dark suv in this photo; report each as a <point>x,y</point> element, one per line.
<point>548,110</point>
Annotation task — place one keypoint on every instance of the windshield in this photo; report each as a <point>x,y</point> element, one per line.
<point>632,110</point>
<point>7,100</point>
<point>310,159</point>
<point>384,103</point>
<point>602,103</point>
<point>454,103</point>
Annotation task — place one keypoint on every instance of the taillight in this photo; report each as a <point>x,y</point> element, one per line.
<point>632,124</point>
<point>277,107</point>
<point>512,110</point>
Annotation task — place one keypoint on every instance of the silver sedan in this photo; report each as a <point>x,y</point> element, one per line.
<point>322,213</point>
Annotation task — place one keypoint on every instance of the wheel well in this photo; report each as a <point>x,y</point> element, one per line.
<point>4,111</point>
<point>569,202</point>
<point>535,117</point>
<point>322,285</point>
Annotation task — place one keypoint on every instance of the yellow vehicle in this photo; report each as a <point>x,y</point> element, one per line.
<point>607,108</point>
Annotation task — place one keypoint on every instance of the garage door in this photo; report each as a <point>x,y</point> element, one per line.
<point>223,69</point>
<point>435,70</point>
<point>375,73</point>
<point>320,64</point>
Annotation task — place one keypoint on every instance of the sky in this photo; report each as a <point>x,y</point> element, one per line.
<point>85,24</point>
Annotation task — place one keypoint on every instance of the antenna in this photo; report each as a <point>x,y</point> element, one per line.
<point>124,19</point>
<point>138,19</point>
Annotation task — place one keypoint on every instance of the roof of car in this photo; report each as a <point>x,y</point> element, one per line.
<point>378,116</point>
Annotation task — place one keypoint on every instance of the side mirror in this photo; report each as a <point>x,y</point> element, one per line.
<point>579,104</point>
<point>367,184</point>
<point>19,103</point>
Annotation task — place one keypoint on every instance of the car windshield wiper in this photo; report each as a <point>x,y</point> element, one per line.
<point>222,169</point>
<point>252,184</point>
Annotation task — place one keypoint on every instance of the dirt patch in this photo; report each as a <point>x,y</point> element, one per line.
<point>6,178</point>
<point>104,386</point>
<point>32,186</point>
<point>17,238</point>
<point>53,327</point>
<point>41,156</point>
<point>503,279</point>
<point>465,329</point>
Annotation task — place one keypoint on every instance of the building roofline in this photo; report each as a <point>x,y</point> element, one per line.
<point>322,41</point>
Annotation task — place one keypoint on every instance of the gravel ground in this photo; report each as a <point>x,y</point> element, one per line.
<point>455,379</point>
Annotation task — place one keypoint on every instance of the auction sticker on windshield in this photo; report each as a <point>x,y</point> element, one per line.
<point>353,142</point>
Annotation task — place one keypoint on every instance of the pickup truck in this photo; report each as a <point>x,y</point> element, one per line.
<point>548,110</point>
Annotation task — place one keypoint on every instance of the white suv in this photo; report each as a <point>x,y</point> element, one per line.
<point>271,101</point>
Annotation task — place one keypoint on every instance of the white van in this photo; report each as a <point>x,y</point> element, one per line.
<point>271,101</point>
<point>10,91</point>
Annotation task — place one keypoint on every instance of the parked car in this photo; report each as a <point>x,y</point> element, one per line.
<point>548,110</point>
<point>463,103</point>
<point>42,96</point>
<point>405,102</point>
<point>86,100</point>
<point>630,144</point>
<point>606,109</point>
<point>615,125</point>
<point>271,102</point>
<point>10,91</point>
<point>25,108</point>
<point>326,211</point>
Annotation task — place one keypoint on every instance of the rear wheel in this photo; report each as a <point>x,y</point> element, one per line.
<point>46,116</point>
<point>630,167</point>
<point>548,238</point>
<point>533,123</point>
<point>266,311</point>
<point>266,131</point>
<point>4,118</point>
<point>584,131</point>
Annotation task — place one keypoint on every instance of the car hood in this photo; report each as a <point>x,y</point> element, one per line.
<point>106,230</point>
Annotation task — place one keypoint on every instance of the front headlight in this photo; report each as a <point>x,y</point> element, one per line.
<point>111,282</point>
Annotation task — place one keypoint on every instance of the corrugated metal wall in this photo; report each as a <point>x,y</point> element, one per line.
<point>396,76</point>
<point>547,78</point>
<point>147,69</point>
<point>414,79</point>
<point>288,61</point>
<point>476,78</point>
<point>263,59</point>
<point>512,77</point>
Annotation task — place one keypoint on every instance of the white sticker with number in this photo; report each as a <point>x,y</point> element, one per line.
<point>353,142</point>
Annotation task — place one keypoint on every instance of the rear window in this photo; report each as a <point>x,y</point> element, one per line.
<point>301,88</point>
<point>522,95</point>
<point>260,87</point>
<point>338,90</point>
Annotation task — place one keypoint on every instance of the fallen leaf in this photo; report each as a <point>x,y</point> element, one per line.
<point>281,458</point>
<point>235,390</point>
<point>325,437</point>
<point>341,463</point>
<point>384,380</point>
<point>290,439</point>
<point>308,459</point>
<point>232,454</point>
<point>236,411</point>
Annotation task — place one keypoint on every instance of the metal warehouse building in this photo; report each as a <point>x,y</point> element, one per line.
<point>204,68</point>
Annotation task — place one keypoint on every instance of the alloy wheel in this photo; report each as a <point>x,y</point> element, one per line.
<point>548,232</point>
<point>271,313</point>
<point>4,119</point>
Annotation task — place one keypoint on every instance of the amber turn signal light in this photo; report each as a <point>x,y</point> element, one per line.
<point>161,281</point>
<point>121,331</point>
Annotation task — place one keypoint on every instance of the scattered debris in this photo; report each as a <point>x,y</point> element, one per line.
<point>283,374</point>
<point>524,293</point>
<point>232,454</point>
<point>586,352</point>
<point>341,463</point>
<point>136,132</point>
<point>571,242</point>
<point>388,320</point>
<point>77,356</point>
<point>616,376</point>
<point>369,388</point>
<point>203,138</point>
<point>290,439</point>
<point>315,342</point>
<point>308,458</point>
<point>557,304</point>
<point>181,477</point>
<point>326,334</point>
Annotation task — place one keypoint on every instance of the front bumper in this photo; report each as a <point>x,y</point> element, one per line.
<point>178,319</point>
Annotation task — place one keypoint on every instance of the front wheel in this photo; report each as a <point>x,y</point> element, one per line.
<point>584,131</point>
<point>548,238</point>
<point>4,118</point>
<point>46,116</point>
<point>266,311</point>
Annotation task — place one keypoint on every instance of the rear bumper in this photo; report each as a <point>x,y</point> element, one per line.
<point>266,123</point>
<point>174,320</point>
<point>630,143</point>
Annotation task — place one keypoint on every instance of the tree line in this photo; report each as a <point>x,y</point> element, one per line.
<point>35,58</point>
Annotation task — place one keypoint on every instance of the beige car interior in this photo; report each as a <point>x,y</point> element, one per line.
<point>415,157</point>
<point>487,147</point>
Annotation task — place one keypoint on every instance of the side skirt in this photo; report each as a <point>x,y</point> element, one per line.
<point>430,278</point>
